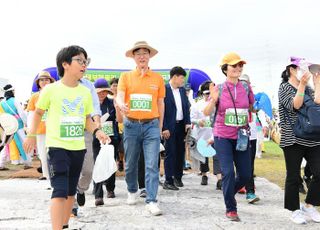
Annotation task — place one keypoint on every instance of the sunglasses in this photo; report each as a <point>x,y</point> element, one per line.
<point>237,65</point>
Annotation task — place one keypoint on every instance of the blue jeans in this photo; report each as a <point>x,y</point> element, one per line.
<point>140,137</point>
<point>230,157</point>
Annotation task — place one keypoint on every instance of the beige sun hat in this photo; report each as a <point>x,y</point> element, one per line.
<point>139,45</point>
<point>9,123</point>
<point>44,74</point>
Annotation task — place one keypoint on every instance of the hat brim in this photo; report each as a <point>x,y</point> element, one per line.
<point>153,51</point>
<point>235,62</point>
<point>43,77</point>
<point>104,89</point>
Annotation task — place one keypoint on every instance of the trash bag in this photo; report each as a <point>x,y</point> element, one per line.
<point>105,164</point>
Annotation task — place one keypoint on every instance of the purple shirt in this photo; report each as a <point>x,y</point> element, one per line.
<point>242,100</point>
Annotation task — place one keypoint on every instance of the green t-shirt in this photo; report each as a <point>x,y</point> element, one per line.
<point>66,117</point>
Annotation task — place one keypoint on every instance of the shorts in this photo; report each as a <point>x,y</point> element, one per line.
<point>64,170</point>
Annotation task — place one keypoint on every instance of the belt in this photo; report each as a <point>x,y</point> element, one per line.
<point>140,120</point>
<point>178,122</point>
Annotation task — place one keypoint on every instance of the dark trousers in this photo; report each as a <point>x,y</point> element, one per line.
<point>204,167</point>
<point>293,157</point>
<point>111,181</point>
<point>230,157</point>
<point>252,150</point>
<point>175,150</point>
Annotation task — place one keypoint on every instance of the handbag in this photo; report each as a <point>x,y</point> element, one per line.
<point>243,134</point>
<point>307,125</point>
<point>105,164</point>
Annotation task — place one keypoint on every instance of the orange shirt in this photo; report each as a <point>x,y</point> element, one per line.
<point>32,107</point>
<point>142,93</point>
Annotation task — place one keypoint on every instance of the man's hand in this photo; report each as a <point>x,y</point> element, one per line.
<point>102,137</point>
<point>188,126</point>
<point>166,134</point>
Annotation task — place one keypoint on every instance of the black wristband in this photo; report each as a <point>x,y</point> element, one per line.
<point>95,131</point>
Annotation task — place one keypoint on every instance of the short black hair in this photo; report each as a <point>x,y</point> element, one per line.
<point>66,54</point>
<point>177,70</point>
<point>114,80</point>
<point>224,68</point>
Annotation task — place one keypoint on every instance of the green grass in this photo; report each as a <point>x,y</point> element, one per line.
<point>272,165</point>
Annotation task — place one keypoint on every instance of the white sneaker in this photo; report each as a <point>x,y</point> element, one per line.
<point>153,208</point>
<point>298,217</point>
<point>312,212</point>
<point>132,198</point>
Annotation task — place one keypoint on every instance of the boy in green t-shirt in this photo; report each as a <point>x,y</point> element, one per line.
<point>68,105</point>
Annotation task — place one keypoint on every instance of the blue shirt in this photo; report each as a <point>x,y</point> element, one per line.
<point>95,99</point>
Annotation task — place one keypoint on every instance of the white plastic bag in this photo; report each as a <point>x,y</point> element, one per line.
<point>105,164</point>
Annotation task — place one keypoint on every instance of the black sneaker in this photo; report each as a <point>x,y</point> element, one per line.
<point>110,194</point>
<point>168,186</point>
<point>74,212</point>
<point>204,180</point>
<point>143,193</point>
<point>99,202</point>
<point>302,189</point>
<point>81,199</point>
<point>178,182</point>
<point>219,185</point>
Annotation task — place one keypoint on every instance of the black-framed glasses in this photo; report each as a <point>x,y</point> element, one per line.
<point>238,64</point>
<point>82,61</point>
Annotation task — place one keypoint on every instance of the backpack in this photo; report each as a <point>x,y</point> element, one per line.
<point>220,88</point>
<point>307,125</point>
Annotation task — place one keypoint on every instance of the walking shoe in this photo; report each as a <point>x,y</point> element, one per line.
<point>153,208</point>
<point>219,185</point>
<point>233,216</point>
<point>178,182</point>
<point>120,166</point>
<point>298,217</point>
<point>204,180</point>
<point>132,198</point>
<point>312,212</point>
<point>302,189</point>
<point>42,178</point>
<point>242,190</point>
<point>81,199</point>
<point>143,193</point>
<point>252,198</point>
<point>110,194</point>
<point>99,202</point>
<point>168,186</point>
<point>74,212</point>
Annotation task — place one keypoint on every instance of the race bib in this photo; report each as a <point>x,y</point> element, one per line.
<point>107,128</point>
<point>71,128</point>
<point>141,102</point>
<point>230,118</point>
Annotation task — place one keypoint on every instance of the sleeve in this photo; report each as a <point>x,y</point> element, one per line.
<point>89,105</point>
<point>95,99</point>
<point>251,95</point>
<point>122,82</point>
<point>162,89</point>
<point>32,103</point>
<point>43,102</point>
<point>286,96</point>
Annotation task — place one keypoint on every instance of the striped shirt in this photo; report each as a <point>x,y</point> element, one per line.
<point>286,94</point>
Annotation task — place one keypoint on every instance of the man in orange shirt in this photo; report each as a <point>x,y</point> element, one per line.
<point>140,97</point>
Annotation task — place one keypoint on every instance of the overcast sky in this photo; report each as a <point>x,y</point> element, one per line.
<point>192,34</point>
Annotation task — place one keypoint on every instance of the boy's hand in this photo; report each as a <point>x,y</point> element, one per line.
<point>29,144</point>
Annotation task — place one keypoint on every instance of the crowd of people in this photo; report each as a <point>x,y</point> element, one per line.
<point>67,121</point>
